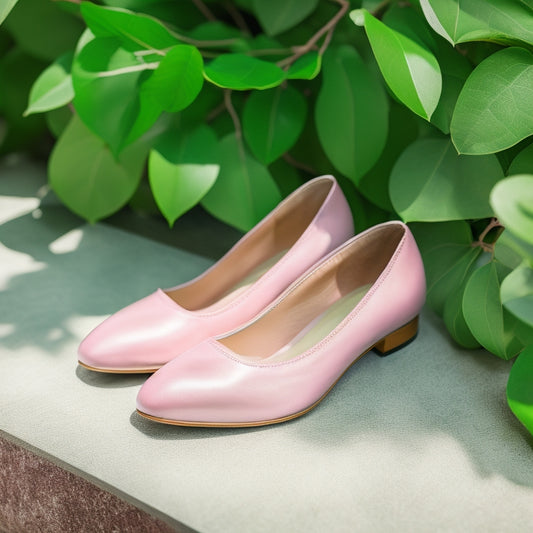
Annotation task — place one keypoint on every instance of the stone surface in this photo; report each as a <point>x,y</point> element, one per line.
<point>420,440</point>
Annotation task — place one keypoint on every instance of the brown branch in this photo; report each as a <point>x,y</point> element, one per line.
<point>327,29</point>
<point>233,114</point>
<point>206,12</point>
<point>237,17</point>
<point>215,112</point>
<point>486,246</point>
<point>298,164</point>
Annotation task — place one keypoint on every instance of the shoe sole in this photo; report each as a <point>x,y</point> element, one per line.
<point>391,343</point>
<point>119,370</point>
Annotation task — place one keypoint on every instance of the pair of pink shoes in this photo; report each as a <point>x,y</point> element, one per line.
<point>307,298</point>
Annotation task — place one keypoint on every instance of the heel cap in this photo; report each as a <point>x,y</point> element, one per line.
<point>398,339</point>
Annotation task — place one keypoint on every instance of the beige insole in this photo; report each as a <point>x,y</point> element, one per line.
<point>246,282</point>
<point>319,328</point>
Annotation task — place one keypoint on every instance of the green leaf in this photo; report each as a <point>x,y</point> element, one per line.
<point>214,30</point>
<point>460,21</point>
<point>455,320</point>
<point>182,170</point>
<point>430,182</point>
<point>490,324</point>
<point>244,192</point>
<point>519,389</point>
<point>517,293</point>
<point>410,70</point>
<point>523,162</point>
<point>403,130</point>
<point>177,80</point>
<point>512,200</point>
<point>404,19</point>
<point>273,121</point>
<point>53,88</point>
<point>455,71</point>
<point>448,256</point>
<point>42,29</point>
<point>86,176</point>
<point>305,67</point>
<point>106,80</point>
<point>134,30</point>
<point>350,113</point>
<point>276,16</point>
<point>58,119</point>
<point>5,7</point>
<point>495,108</point>
<point>242,72</point>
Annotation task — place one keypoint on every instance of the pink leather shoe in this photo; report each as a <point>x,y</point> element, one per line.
<point>366,294</point>
<point>142,337</point>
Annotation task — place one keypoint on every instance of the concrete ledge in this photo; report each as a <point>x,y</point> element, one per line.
<point>421,440</point>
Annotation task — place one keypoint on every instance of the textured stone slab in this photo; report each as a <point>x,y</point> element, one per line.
<point>418,441</point>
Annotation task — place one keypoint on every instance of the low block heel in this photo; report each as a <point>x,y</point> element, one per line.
<point>397,339</point>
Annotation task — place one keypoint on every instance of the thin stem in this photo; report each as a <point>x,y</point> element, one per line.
<point>380,8</point>
<point>486,246</point>
<point>127,70</point>
<point>328,28</point>
<point>298,164</point>
<point>204,44</point>
<point>233,114</point>
<point>206,12</point>
<point>237,17</point>
<point>215,112</point>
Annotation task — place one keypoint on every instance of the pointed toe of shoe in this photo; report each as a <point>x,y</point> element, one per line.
<point>139,338</point>
<point>197,388</point>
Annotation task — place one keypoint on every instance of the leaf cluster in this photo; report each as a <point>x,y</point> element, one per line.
<point>422,109</point>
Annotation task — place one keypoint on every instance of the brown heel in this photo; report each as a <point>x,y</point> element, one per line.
<point>397,339</point>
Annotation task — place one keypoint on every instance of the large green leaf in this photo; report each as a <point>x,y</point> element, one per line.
<point>495,107</point>
<point>5,7</point>
<point>460,21</point>
<point>42,29</point>
<point>306,67</point>
<point>455,71</point>
<point>523,162</point>
<point>448,256</point>
<point>242,72</point>
<point>276,16</point>
<point>403,130</point>
<point>135,31</point>
<point>182,169</point>
<point>244,192</point>
<point>519,389</point>
<point>351,113</point>
<point>53,88</point>
<point>410,69</point>
<point>273,121</point>
<point>455,320</point>
<point>106,81</point>
<point>517,293</point>
<point>512,200</point>
<point>491,325</point>
<point>430,182</point>
<point>86,176</point>
<point>177,80</point>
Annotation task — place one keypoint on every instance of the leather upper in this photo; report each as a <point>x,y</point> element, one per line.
<point>212,383</point>
<point>150,332</point>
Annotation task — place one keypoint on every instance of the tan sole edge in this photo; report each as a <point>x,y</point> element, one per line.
<point>118,370</point>
<point>408,326</point>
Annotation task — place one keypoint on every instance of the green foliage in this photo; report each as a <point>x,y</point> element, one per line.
<point>495,112</point>
<point>431,168</point>
<point>519,389</point>
<point>421,109</point>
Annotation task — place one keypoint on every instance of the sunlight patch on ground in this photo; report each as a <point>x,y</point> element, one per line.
<point>67,242</point>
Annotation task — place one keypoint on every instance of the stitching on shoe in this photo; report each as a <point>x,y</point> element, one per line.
<point>324,342</point>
